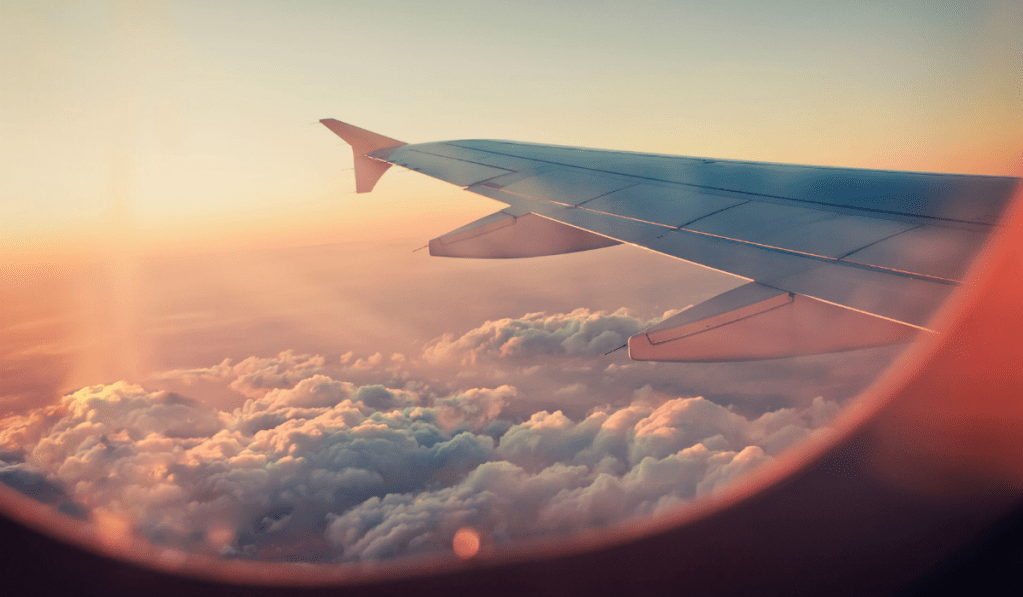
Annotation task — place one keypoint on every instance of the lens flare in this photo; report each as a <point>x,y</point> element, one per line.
<point>466,543</point>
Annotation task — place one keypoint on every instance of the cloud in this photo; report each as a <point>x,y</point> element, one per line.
<point>254,376</point>
<point>579,333</point>
<point>316,467</point>
<point>473,408</point>
<point>31,482</point>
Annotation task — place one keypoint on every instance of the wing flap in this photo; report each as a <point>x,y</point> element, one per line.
<point>755,322</point>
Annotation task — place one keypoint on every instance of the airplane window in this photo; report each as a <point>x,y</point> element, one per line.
<point>212,349</point>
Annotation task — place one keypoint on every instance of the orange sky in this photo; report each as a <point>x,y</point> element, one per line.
<point>188,125</point>
<point>137,132</point>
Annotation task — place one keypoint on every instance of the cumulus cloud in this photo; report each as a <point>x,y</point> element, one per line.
<point>255,376</point>
<point>31,482</point>
<point>579,333</point>
<point>316,467</point>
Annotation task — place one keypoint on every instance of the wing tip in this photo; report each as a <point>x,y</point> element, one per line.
<point>367,170</point>
<point>361,140</point>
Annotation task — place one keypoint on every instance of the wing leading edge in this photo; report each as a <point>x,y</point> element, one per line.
<point>837,258</point>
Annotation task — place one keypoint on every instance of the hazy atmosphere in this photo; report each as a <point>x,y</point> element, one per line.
<point>209,341</point>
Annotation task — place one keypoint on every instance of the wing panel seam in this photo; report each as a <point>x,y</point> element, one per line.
<point>792,252</point>
<point>826,259</point>
<point>842,257</point>
<point>447,157</point>
<point>690,223</point>
<point>710,188</point>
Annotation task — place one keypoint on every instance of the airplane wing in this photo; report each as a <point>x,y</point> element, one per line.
<point>836,258</point>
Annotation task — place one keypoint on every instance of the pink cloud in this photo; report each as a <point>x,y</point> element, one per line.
<point>366,471</point>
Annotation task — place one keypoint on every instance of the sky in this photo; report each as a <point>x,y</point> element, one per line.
<point>209,341</point>
<point>193,121</point>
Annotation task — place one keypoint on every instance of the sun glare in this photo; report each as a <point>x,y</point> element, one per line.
<point>212,347</point>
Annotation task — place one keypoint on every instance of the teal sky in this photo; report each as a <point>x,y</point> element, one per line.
<point>178,118</point>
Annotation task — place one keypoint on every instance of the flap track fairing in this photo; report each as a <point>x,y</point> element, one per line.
<point>510,234</point>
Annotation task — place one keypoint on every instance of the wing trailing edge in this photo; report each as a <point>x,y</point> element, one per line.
<point>368,170</point>
<point>755,322</point>
<point>510,233</point>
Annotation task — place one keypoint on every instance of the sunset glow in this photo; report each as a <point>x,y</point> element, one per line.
<point>211,345</point>
<point>198,127</point>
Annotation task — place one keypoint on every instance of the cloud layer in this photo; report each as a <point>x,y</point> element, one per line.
<point>579,333</point>
<point>367,458</point>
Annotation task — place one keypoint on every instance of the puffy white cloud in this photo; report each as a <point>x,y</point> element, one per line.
<point>473,408</point>
<point>316,466</point>
<point>255,376</point>
<point>579,333</point>
<point>18,431</point>
<point>367,457</point>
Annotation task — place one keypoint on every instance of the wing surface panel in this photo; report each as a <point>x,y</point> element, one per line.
<point>893,295</point>
<point>902,298</point>
<point>813,231</point>
<point>465,154</point>
<point>460,172</point>
<point>568,186</point>
<point>952,197</point>
<point>668,205</point>
<point>931,250</point>
<point>454,151</point>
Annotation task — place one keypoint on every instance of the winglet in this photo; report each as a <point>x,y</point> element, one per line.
<point>368,170</point>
